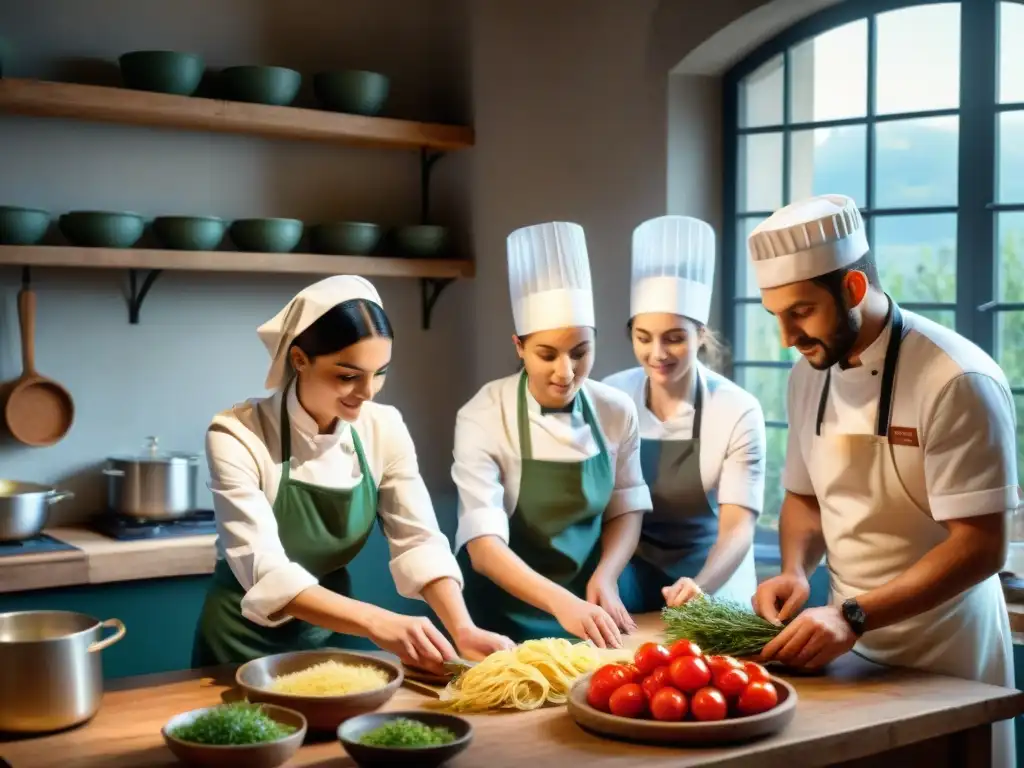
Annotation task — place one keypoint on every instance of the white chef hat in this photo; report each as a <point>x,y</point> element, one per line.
<point>549,277</point>
<point>807,239</point>
<point>673,267</point>
<point>309,304</point>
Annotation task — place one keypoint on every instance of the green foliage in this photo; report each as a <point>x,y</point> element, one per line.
<point>718,626</point>
<point>404,732</point>
<point>232,724</point>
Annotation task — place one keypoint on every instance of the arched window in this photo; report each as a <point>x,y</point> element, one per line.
<point>916,110</point>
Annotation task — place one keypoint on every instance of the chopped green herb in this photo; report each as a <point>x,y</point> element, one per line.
<point>403,732</point>
<point>231,724</point>
<point>719,626</point>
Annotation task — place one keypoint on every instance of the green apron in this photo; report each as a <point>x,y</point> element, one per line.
<point>321,529</point>
<point>555,529</point>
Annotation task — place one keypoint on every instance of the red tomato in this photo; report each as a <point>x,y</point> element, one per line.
<point>628,701</point>
<point>658,679</point>
<point>634,672</point>
<point>604,683</point>
<point>756,672</point>
<point>668,704</point>
<point>757,697</point>
<point>684,648</point>
<point>709,704</point>
<point>731,682</point>
<point>720,664</point>
<point>650,656</point>
<point>688,673</point>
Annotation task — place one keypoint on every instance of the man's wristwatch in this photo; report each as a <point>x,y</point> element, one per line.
<point>854,616</point>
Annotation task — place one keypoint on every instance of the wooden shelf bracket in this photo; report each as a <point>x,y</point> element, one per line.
<point>137,294</point>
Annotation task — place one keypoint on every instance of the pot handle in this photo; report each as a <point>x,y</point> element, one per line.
<point>106,642</point>
<point>56,496</point>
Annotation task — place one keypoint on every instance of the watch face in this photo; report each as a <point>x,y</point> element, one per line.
<point>854,614</point>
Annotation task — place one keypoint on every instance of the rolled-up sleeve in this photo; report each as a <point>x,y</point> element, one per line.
<point>970,457</point>
<point>631,493</point>
<point>247,530</point>
<point>420,552</point>
<point>742,478</point>
<point>477,475</point>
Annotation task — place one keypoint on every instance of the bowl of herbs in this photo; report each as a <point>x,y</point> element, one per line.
<point>422,739</point>
<point>236,735</point>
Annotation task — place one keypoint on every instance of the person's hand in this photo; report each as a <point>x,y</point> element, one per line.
<point>812,639</point>
<point>475,643</point>
<point>414,639</point>
<point>683,591</point>
<point>604,591</point>
<point>587,621</point>
<point>788,590</point>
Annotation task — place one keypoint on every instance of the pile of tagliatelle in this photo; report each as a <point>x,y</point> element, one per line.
<point>534,673</point>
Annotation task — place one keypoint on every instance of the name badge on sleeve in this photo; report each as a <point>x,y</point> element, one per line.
<point>903,436</point>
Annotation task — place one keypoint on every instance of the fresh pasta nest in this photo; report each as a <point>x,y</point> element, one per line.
<point>534,673</point>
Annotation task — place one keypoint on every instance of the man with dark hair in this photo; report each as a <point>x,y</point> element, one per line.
<point>901,466</point>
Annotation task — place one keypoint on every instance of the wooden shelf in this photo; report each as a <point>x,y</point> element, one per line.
<point>122,105</point>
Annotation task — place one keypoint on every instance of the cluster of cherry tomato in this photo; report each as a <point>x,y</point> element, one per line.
<point>670,683</point>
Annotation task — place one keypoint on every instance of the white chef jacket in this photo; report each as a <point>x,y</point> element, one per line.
<point>947,389</point>
<point>732,435</point>
<point>488,466</point>
<point>243,447</point>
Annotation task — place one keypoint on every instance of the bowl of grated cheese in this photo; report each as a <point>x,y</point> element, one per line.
<point>327,686</point>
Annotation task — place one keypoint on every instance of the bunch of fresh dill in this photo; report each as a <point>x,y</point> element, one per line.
<point>718,626</point>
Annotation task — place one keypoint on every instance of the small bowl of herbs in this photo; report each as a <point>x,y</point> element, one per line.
<point>423,739</point>
<point>235,735</point>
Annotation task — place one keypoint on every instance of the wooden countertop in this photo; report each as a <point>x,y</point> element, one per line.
<point>100,559</point>
<point>857,710</point>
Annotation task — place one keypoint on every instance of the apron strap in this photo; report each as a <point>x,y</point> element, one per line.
<point>523,421</point>
<point>698,404</point>
<point>885,398</point>
<point>286,438</point>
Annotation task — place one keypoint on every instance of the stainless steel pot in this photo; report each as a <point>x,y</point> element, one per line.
<point>25,508</point>
<point>152,485</point>
<point>52,669</point>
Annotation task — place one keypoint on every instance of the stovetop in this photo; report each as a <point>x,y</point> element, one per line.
<point>123,528</point>
<point>41,543</point>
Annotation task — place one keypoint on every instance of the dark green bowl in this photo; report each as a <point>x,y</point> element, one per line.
<point>22,226</point>
<point>351,238</point>
<point>421,240</point>
<point>102,229</point>
<point>277,86</point>
<point>353,729</point>
<point>266,235</point>
<point>189,233</point>
<point>162,71</point>
<point>352,91</point>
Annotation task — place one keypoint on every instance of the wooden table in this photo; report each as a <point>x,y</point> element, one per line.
<point>859,710</point>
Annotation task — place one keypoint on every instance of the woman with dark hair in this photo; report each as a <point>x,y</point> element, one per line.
<point>547,462</point>
<point>299,479</point>
<point>702,436</point>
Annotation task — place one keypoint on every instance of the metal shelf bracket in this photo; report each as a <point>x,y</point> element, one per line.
<point>137,294</point>
<point>430,291</point>
<point>430,287</point>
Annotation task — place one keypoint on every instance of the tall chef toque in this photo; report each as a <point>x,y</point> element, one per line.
<point>673,267</point>
<point>549,277</point>
<point>807,239</point>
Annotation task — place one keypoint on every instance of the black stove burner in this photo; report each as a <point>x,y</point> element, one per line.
<point>123,528</point>
<point>41,543</point>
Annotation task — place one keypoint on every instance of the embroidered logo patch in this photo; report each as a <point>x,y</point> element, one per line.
<point>903,436</point>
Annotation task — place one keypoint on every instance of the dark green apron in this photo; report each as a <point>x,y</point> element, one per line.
<point>682,528</point>
<point>321,529</point>
<point>555,529</point>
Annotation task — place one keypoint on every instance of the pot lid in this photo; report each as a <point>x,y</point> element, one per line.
<point>152,453</point>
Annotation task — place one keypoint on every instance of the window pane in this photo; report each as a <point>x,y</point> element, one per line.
<point>1010,271</point>
<point>946,317</point>
<point>916,256</point>
<point>745,269</point>
<point>918,59</point>
<point>761,95</point>
<point>775,458</point>
<point>829,161</point>
<point>1019,399</point>
<point>761,340</point>
<point>916,163</point>
<point>841,54</point>
<point>761,169</point>
<point>768,385</point>
<point>1011,52</point>
<point>1010,346</point>
<point>1010,168</point>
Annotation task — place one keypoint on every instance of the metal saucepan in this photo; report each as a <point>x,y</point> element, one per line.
<point>152,485</point>
<point>25,508</point>
<point>52,669</point>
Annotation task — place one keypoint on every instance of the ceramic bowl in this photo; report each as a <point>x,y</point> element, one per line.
<point>189,233</point>
<point>348,238</point>
<point>269,754</point>
<point>162,71</point>
<point>277,86</point>
<point>266,235</point>
<point>102,229</point>
<point>352,91</point>
<point>422,241</point>
<point>22,226</point>
<point>366,755</point>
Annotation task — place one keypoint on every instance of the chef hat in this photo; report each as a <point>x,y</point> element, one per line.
<point>549,277</point>
<point>673,267</point>
<point>807,239</point>
<point>278,333</point>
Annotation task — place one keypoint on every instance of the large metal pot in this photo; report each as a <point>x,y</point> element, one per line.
<point>152,485</point>
<point>52,669</point>
<point>25,508</point>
